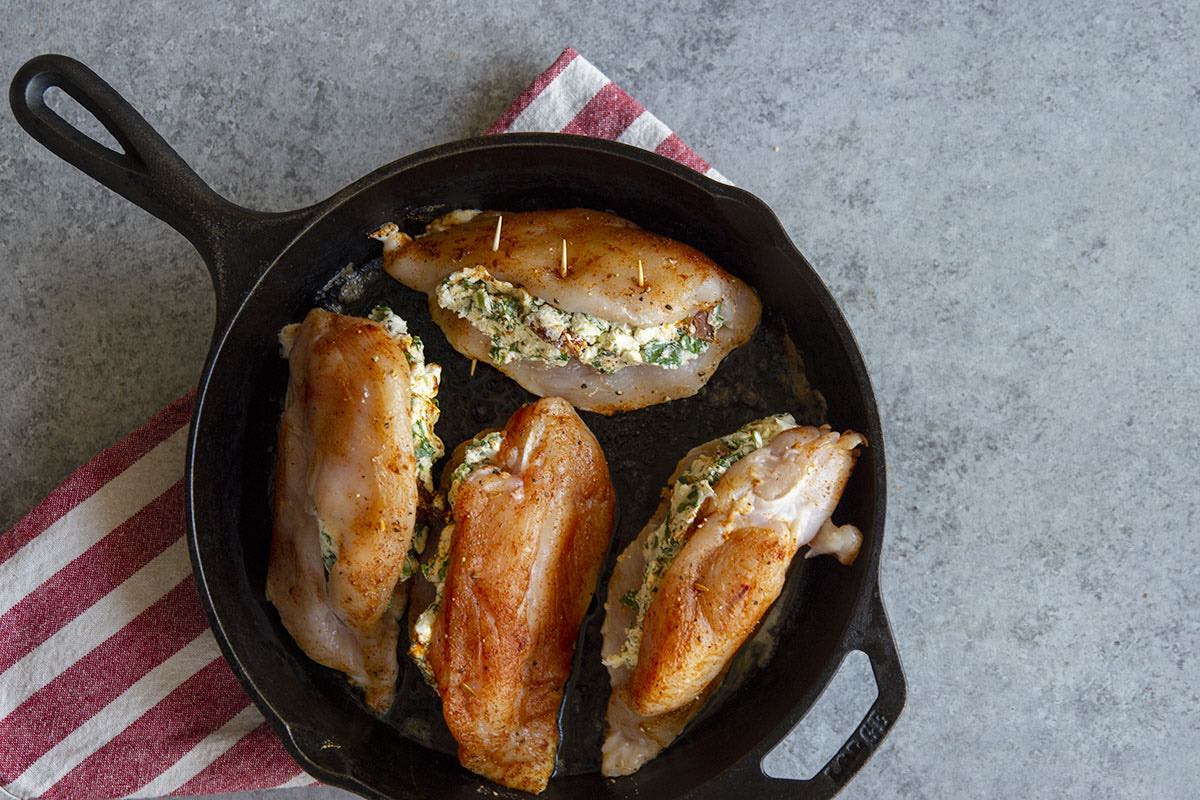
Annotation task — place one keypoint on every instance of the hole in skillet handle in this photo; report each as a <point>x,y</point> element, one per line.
<point>828,724</point>
<point>78,117</point>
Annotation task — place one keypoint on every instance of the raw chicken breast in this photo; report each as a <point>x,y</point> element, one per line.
<point>729,568</point>
<point>345,498</point>
<point>530,529</point>
<point>682,290</point>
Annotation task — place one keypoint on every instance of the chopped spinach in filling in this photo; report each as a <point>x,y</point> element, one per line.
<point>684,498</point>
<point>329,553</point>
<point>523,326</point>
<point>481,452</point>
<point>415,549</point>
<point>423,385</point>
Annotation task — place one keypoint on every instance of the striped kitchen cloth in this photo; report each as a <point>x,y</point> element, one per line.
<point>111,684</point>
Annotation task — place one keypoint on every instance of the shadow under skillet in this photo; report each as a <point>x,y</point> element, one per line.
<point>765,376</point>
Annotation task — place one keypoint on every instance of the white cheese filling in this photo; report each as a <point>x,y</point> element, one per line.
<point>520,325</point>
<point>423,382</point>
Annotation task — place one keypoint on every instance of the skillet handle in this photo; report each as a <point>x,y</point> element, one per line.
<point>236,243</point>
<point>873,636</point>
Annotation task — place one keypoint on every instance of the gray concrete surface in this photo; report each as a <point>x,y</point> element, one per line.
<point>1004,199</point>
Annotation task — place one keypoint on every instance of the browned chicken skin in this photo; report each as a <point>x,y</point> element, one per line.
<point>530,531</point>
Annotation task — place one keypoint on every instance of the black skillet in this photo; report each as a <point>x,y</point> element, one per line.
<point>268,269</point>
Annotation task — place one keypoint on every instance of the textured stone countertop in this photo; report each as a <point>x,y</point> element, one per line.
<point>1005,204</point>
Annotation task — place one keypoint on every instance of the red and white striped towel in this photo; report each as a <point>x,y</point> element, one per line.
<point>111,684</point>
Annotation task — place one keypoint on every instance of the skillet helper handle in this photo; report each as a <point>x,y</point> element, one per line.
<point>872,636</point>
<point>236,243</point>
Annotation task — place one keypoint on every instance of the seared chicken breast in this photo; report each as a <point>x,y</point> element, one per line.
<point>530,516</point>
<point>576,303</point>
<point>355,444</point>
<point>689,591</point>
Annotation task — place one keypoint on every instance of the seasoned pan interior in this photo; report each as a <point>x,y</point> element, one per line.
<point>335,265</point>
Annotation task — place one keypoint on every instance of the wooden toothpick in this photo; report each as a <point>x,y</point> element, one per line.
<point>641,275</point>
<point>562,271</point>
<point>496,240</point>
<point>474,361</point>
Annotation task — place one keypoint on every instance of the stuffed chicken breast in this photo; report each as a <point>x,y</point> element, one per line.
<point>576,303</point>
<point>356,447</point>
<point>530,516</point>
<point>705,569</point>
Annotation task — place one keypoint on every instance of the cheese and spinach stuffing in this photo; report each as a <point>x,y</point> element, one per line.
<point>521,326</point>
<point>480,453</point>
<point>684,498</point>
<point>423,382</point>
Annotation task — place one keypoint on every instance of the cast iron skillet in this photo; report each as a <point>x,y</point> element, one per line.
<point>269,268</point>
